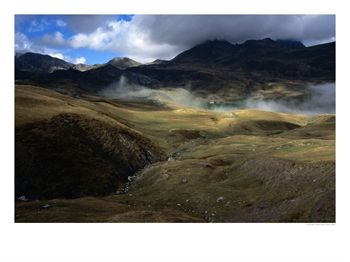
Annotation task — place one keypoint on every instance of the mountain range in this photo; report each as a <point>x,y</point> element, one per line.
<point>211,66</point>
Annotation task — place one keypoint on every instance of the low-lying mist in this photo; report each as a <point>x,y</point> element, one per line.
<point>122,89</point>
<point>320,99</point>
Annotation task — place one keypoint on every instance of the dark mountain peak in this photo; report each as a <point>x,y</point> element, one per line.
<point>269,43</point>
<point>123,62</point>
<point>267,40</point>
<point>207,51</point>
<point>262,43</point>
<point>215,43</point>
<point>258,41</point>
<point>214,51</point>
<point>40,63</point>
<point>120,58</point>
<point>215,46</point>
<point>30,55</point>
<point>290,43</point>
<point>222,51</point>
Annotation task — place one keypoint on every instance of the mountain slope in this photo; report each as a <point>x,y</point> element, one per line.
<point>73,151</point>
<point>283,59</point>
<point>123,62</point>
<point>208,52</point>
<point>216,65</point>
<point>40,63</point>
<point>221,51</point>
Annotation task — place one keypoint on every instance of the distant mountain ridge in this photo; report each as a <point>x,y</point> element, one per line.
<point>212,65</point>
<point>219,64</point>
<point>217,51</point>
<point>41,63</point>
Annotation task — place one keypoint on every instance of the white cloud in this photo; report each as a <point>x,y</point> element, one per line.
<point>80,60</point>
<point>87,23</point>
<point>61,23</point>
<point>54,40</point>
<point>56,55</point>
<point>23,44</point>
<point>148,37</point>
<point>38,25</point>
<point>189,30</point>
<point>126,38</point>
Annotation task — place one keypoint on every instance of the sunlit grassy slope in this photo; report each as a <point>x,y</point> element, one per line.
<point>241,166</point>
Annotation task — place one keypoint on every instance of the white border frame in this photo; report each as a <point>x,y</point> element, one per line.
<point>174,242</point>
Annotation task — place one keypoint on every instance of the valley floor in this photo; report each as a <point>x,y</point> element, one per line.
<point>180,164</point>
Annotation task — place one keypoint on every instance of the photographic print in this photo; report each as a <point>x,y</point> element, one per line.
<point>175,118</point>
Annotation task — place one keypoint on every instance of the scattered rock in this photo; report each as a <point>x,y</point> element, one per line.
<point>46,206</point>
<point>184,180</point>
<point>23,198</point>
<point>208,165</point>
<point>220,199</point>
<point>164,176</point>
<point>171,159</point>
<point>126,188</point>
<point>187,200</point>
<point>178,204</point>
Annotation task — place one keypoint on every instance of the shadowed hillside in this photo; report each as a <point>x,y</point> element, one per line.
<point>72,151</point>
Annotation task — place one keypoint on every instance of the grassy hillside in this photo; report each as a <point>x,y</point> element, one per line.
<point>191,165</point>
<point>65,149</point>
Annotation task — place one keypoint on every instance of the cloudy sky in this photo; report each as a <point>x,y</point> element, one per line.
<point>94,39</point>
